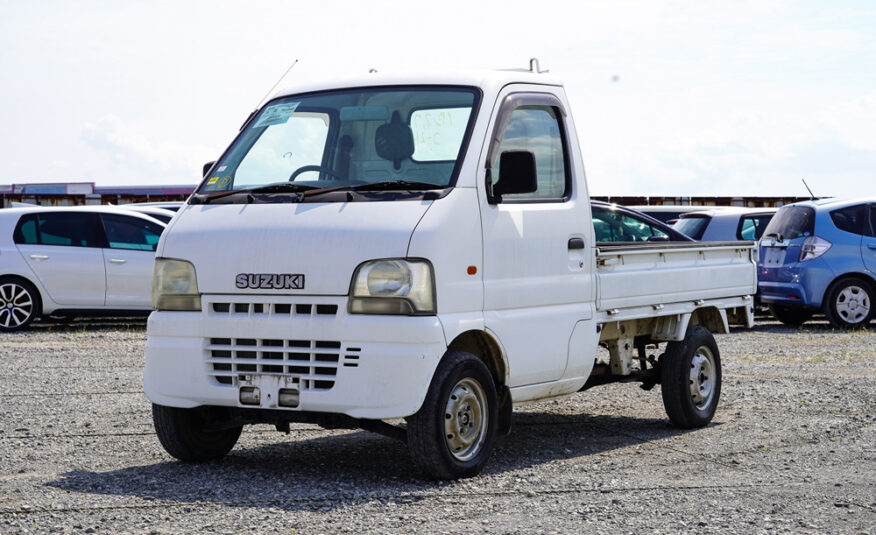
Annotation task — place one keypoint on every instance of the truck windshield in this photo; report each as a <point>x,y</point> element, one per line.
<point>370,139</point>
<point>791,222</point>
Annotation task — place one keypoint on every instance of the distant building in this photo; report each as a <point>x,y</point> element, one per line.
<point>79,193</point>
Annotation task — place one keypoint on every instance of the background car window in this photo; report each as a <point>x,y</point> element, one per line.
<point>27,232</point>
<point>792,222</point>
<point>872,221</point>
<point>611,226</point>
<point>537,129</point>
<point>752,227</point>
<point>694,226</point>
<point>74,229</point>
<point>852,219</point>
<point>131,233</point>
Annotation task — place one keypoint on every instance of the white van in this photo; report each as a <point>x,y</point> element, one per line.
<point>418,247</point>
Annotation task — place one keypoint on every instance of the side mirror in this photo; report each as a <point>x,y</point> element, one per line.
<point>658,238</point>
<point>207,167</point>
<point>516,174</point>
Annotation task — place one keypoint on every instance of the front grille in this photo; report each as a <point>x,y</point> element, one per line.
<point>274,309</point>
<point>312,363</point>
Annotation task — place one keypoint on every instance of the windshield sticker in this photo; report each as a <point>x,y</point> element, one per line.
<point>221,169</point>
<point>276,114</point>
<point>217,183</point>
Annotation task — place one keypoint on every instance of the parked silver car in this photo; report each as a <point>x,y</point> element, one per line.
<point>725,224</point>
<point>72,261</point>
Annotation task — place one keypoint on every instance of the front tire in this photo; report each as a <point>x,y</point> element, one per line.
<point>849,303</point>
<point>790,316</point>
<point>183,433</point>
<point>19,304</point>
<point>690,378</point>
<point>452,434</point>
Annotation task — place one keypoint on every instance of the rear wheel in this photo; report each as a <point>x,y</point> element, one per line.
<point>452,434</point>
<point>19,304</point>
<point>791,316</point>
<point>186,433</point>
<point>849,303</point>
<point>690,378</point>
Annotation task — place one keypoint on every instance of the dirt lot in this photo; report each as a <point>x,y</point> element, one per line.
<point>792,449</point>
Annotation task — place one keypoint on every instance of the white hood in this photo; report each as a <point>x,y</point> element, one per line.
<point>322,241</point>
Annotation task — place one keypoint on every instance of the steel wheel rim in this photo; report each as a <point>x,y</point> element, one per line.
<point>703,377</point>
<point>465,419</point>
<point>853,304</point>
<point>16,305</point>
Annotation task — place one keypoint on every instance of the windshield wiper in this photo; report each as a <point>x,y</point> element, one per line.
<point>279,187</point>
<point>774,234</point>
<point>396,185</point>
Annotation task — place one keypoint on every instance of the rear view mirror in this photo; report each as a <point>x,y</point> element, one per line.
<point>207,167</point>
<point>517,174</point>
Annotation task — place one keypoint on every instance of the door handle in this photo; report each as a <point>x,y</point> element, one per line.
<point>39,256</point>
<point>576,243</point>
<point>872,245</point>
<point>117,261</point>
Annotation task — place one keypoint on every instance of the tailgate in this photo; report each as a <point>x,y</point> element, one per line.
<point>652,274</point>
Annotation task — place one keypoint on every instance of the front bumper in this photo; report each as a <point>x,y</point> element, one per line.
<point>363,366</point>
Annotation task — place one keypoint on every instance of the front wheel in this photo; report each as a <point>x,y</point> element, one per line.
<point>690,378</point>
<point>191,434</point>
<point>452,434</point>
<point>849,303</point>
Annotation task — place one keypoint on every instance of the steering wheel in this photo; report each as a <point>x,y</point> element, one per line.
<point>320,168</point>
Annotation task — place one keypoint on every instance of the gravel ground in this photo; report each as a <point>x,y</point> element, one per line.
<point>792,449</point>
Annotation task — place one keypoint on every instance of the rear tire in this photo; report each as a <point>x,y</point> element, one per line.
<point>690,378</point>
<point>181,432</point>
<point>790,316</point>
<point>452,434</point>
<point>850,303</point>
<point>19,304</point>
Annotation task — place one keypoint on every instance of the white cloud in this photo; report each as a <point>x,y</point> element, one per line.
<point>144,154</point>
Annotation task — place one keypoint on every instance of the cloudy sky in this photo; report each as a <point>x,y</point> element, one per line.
<point>670,98</point>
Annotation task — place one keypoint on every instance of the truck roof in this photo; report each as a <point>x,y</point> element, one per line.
<point>483,79</point>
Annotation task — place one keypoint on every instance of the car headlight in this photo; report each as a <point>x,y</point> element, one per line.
<point>174,285</point>
<point>393,286</point>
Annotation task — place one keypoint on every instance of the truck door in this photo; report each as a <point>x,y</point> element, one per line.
<point>537,274</point>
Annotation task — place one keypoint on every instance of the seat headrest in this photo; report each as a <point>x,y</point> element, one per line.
<point>394,140</point>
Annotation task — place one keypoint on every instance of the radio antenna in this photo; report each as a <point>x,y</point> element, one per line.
<point>276,84</point>
<point>811,195</point>
<point>256,110</point>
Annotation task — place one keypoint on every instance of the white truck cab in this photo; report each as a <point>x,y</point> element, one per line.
<point>421,248</point>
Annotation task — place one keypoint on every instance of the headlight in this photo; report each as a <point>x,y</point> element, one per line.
<point>174,285</point>
<point>393,286</point>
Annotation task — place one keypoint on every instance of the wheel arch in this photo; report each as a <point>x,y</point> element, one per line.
<point>850,275</point>
<point>712,318</point>
<point>486,348</point>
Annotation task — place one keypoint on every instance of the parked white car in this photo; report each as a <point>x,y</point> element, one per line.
<point>725,224</point>
<point>76,260</point>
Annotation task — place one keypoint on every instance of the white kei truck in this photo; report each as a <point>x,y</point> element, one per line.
<point>419,247</point>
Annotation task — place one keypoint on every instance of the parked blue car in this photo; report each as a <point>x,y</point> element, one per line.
<point>820,255</point>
